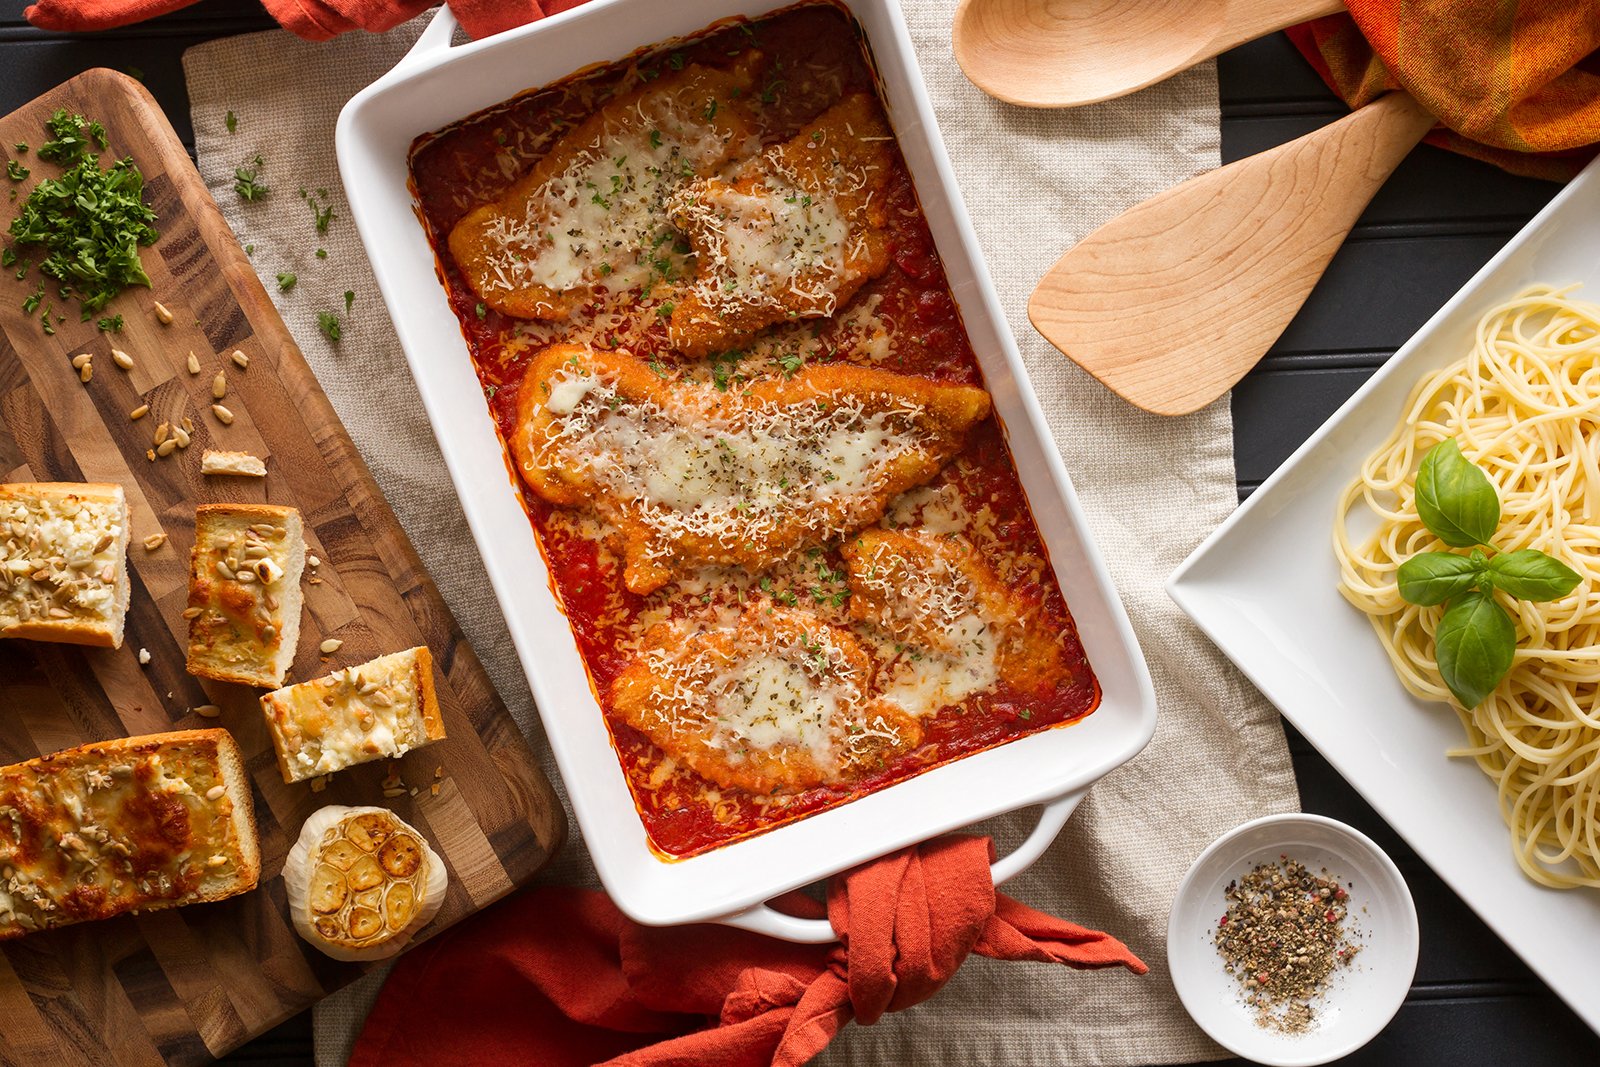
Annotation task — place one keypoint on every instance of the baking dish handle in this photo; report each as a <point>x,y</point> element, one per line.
<point>435,38</point>
<point>766,920</point>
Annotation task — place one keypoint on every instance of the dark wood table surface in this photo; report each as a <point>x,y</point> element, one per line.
<point>1435,223</point>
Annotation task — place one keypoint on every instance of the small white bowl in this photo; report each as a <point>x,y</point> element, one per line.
<point>1360,999</point>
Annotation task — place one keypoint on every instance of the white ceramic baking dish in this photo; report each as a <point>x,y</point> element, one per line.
<point>438,83</point>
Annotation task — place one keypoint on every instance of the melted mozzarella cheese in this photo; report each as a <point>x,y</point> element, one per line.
<point>763,246</point>
<point>922,682</point>
<point>728,477</point>
<point>603,219</point>
<point>770,702</point>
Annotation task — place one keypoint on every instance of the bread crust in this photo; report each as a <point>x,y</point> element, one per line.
<point>104,631</point>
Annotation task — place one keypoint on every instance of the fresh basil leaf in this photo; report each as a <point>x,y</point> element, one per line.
<point>1455,499</point>
<point>1474,644</point>
<point>1434,577</point>
<point>1529,574</point>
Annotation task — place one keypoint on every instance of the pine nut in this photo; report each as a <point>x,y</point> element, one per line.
<point>163,314</point>
<point>223,415</point>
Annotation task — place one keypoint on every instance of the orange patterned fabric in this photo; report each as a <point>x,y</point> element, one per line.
<point>1513,82</point>
<point>315,20</point>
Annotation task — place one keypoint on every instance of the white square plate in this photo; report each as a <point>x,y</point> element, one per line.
<point>1264,588</point>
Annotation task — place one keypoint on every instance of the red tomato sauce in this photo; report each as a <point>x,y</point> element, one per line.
<point>815,54</point>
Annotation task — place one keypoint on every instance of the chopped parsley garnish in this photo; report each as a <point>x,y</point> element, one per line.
<point>323,214</point>
<point>483,311</point>
<point>31,303</point>
<point>70,138</point>
<point>16,171</point>
<point>91,222</point>
<point>110,324</point>
<point>790,362</point>
<point>231,121</point>
<point>349,299</point>
<point>655,138</point>
<point>8,256</point>
<point>328,323</point>
<point>665,310</point>
<point>711,110</point>
<point>247,183</point>
<point>322,253</point>
<point>286,280</point>
<point>20,146</point>
<point>44,320</point>
<point>675,61</point>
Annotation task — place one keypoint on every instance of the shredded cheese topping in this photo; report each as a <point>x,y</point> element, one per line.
<point>779,247</point>
<point>58,558</point>
<point>603,219</point>
<point>731,478</point>
<point>776,694</point>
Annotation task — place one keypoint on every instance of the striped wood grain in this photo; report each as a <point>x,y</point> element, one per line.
<point>183,986</point>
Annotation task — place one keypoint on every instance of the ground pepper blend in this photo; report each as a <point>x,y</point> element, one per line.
<point>1283,936</point>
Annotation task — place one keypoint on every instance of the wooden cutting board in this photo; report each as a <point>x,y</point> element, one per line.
<point>184,985</point>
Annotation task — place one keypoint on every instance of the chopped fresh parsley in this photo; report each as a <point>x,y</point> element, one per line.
<point>20,146</point>
<point>349,299</point>
<point>8,256</point>
<point>675,61</point>
<point>665,310</point>
<point>328,323</point>
<point>711,110</point>
<point>44,320</point>
<point>70,138</point>
<point>655,138</point>
<point>16,171</point>
<point>790,362</point>
<point>110,324</point>
<point>31,303</point>
<point>483,311</point>
<point>231,121</point>
<point>322,253</point>
<point>286,280</point>
<point>90,222</point>
<point>247,183</point>
<point>249,250</point>
<point>323,214</point>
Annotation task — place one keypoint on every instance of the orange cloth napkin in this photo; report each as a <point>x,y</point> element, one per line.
<point>559,977</point>
<point>315,20</point>
<point>1514,82</point>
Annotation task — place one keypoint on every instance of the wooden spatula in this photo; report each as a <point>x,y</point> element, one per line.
<point>1171,302</point>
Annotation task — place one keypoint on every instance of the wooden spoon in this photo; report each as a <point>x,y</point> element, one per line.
<point>1171,302</point>
<point>1062,53</point>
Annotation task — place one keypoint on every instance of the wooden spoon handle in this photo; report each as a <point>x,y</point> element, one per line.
<point>1171,302</point>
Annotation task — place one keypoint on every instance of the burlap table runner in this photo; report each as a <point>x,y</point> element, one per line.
<point>1035,182</point>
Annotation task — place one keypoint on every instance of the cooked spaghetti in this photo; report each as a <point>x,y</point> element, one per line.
<point>1524,406</point>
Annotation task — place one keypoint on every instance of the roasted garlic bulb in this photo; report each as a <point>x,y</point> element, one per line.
<point>361,882</point>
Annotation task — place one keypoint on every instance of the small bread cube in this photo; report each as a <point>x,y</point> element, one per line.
<point>244,592</point>
<point>383,708</point>
<point>242,464</point>
<point>64,562</point>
